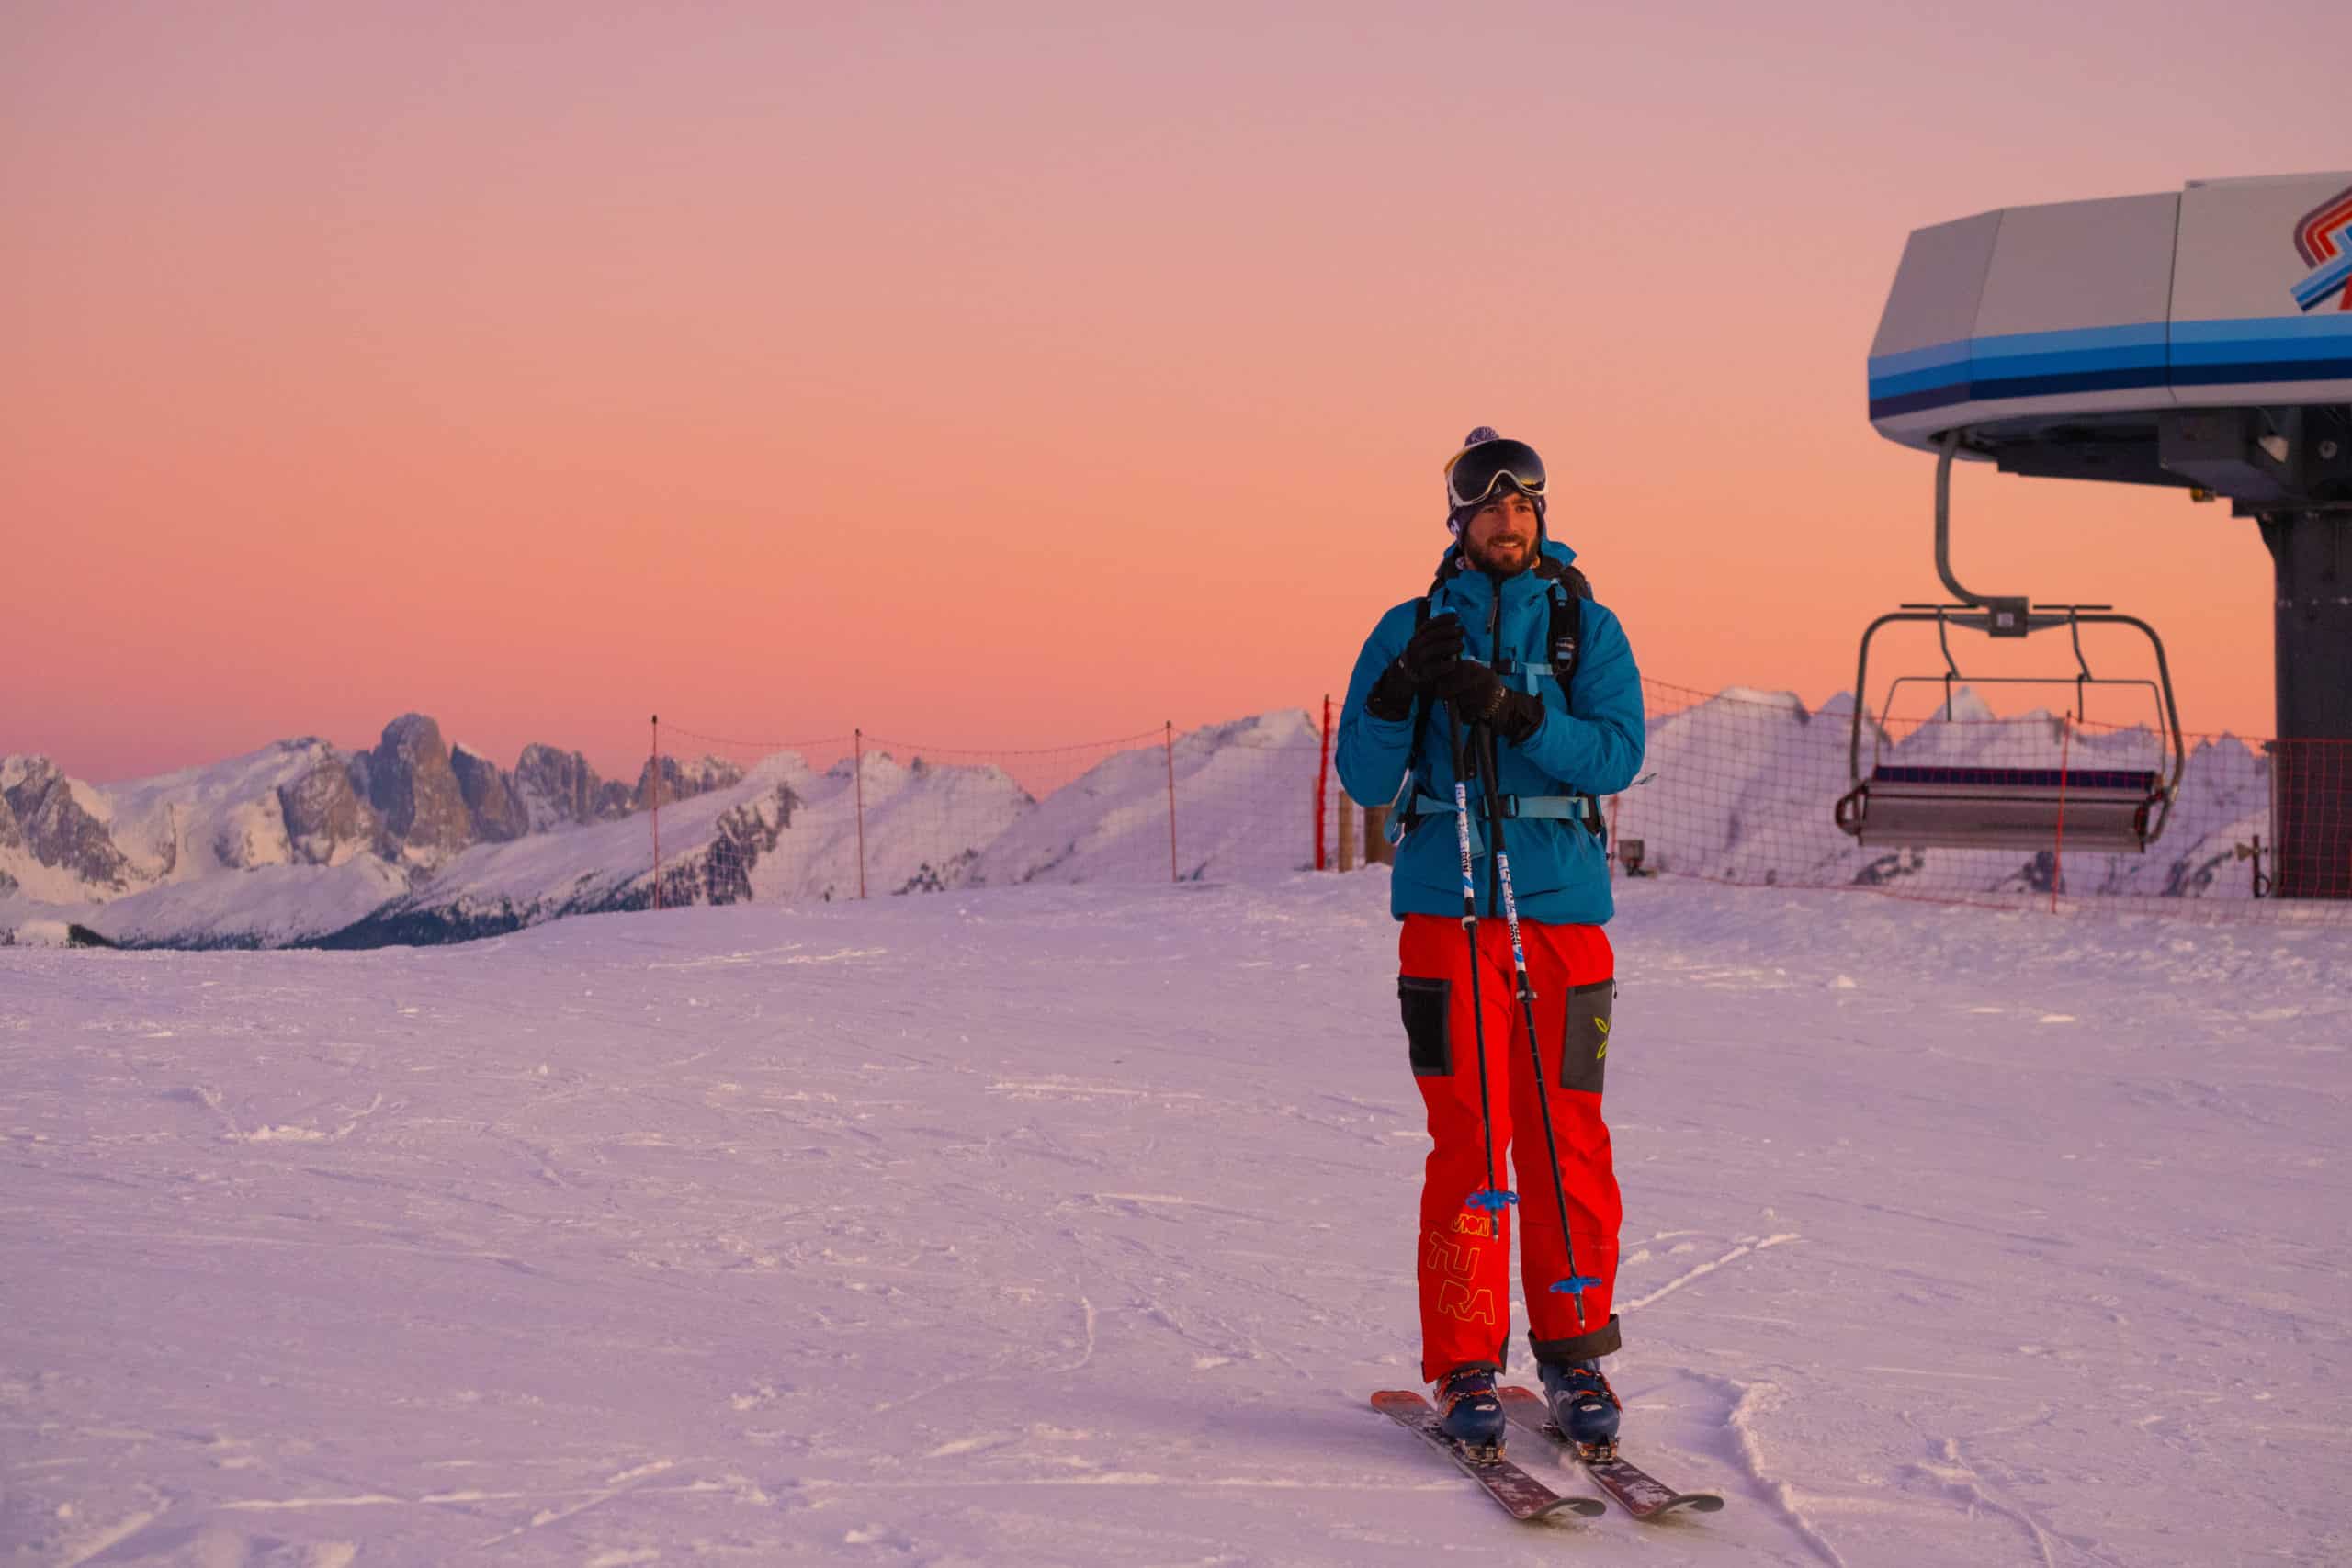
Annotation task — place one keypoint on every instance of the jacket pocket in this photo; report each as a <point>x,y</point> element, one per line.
<point>1584,1055</point>
<point>1427,1006</point>
<point>1543,855</point>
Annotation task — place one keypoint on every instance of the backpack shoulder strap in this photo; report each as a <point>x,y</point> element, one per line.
<point>1570,589</point>
<point>1421,705</point>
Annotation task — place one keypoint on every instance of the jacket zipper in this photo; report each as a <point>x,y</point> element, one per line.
<point>1495,784</point>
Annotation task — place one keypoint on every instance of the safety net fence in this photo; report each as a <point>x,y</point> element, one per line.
<point>1957,803</point>
<point>865,815</point>
<point>1949,802</point>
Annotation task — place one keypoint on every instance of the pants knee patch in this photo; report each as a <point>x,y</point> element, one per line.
<point>1428,1007</point>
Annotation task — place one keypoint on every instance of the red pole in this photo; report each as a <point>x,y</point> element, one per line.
<point>858,737</point>
<point>1169,732</point>
<point>1323,781</point>
<point>657,810</point>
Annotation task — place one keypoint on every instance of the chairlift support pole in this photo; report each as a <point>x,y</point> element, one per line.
<point>2008,610</point>
<point>2311,766</point>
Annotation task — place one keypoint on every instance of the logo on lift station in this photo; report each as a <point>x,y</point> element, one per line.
<point>2324,239</point>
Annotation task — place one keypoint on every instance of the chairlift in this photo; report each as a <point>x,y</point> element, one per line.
<point>2110,810</point>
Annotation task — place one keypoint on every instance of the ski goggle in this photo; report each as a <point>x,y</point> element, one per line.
<point>1477,472</point>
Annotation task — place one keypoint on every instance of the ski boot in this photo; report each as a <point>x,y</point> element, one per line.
<point>1472,1413</point>
<point>1584,1407</point>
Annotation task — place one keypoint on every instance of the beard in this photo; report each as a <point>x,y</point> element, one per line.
<point>1503,556</point>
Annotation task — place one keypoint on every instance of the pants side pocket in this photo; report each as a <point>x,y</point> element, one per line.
<point>1427,1006</point>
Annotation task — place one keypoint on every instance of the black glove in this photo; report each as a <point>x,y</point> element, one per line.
<point>1479,696</point>
<point>1520,717</point>
<point>1435,650</point>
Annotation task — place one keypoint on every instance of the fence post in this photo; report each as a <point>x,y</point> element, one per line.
<point>1323,784</point>
<point>656,811</point>
<point>1347,832</point>
<point>857,772</point>
<point>2058,848</point>
<point>1167,733</point>
<point>1376,850</point>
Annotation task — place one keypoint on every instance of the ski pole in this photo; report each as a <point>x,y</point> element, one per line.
<point>1493,1197</point>
<point>1574,1285</point>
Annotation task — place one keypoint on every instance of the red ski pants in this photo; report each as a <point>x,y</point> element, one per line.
<point>1464,1255</point>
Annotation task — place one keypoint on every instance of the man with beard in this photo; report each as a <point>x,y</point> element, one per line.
<point>1507,676</point>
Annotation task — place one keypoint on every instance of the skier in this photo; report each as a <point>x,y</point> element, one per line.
<point>1474,674</point>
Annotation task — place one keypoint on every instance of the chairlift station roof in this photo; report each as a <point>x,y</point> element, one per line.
<point>2060,335</point>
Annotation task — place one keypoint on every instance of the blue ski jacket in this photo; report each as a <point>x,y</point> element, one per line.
<point>1590,741</point>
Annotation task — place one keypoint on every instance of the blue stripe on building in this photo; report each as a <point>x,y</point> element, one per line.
<point>1937,357</point>
<point>2260,370</point>
<point>2122,378</point>
<point>1920,380</point>
<point>2262,328</point>
<point>1912,402</point>
<point>2149,354</point>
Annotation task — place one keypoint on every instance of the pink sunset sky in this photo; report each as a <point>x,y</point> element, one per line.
<point>1001,375</point>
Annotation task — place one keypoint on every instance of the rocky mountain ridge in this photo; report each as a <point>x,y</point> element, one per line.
<point>417,840</point>
<point>412,800</point>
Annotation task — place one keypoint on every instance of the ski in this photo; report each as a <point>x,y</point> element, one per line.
<point>1521,1495</point>
<point>1628,1485</point>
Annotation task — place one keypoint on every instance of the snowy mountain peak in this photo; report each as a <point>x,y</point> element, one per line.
<point>60,824</point>
<point>412,782</point>
<point>1787,702</point>
<point>1966,707</point>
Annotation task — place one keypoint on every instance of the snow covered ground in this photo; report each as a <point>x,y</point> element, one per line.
<point>1073,1226</point>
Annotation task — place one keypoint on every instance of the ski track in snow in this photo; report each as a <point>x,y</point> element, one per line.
<point>1703,1270</point>
<point>1751,1402</point>
<point>1037,1226</point>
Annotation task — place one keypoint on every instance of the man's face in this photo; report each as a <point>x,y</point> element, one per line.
<point>1501,535</point>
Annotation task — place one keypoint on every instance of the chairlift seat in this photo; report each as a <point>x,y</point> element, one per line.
<point>2100,811</point>
<point>2108,810</point>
